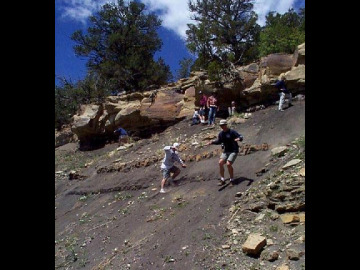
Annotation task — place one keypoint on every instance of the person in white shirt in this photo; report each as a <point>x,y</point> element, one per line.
<point>167,165</point>
<point>196,117</point>
<point>232,108</point>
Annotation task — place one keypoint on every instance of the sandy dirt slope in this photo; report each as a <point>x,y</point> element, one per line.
<point>119,220</point>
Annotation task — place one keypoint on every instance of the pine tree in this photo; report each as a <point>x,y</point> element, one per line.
<point>120,45</point>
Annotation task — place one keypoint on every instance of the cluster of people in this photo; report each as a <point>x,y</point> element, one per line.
<point>228,138</point>
<point>206,113</point>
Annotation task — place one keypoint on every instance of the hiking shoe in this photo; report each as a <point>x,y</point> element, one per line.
<point>221,183</point>
<point>281,110</point>
<point>162,190</point>
<point>232,182</point>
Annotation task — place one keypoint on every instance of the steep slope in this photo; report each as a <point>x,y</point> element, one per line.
<point>112,216</point>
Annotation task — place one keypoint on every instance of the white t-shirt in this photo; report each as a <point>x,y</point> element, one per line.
<point>171,156</point>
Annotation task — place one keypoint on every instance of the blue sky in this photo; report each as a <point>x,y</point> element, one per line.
<point>72,15</point>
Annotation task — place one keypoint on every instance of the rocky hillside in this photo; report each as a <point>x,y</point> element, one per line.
<point>109,213</point>
<point>249,86</point>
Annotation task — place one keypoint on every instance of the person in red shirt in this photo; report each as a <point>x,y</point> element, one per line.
<point>203,107</point>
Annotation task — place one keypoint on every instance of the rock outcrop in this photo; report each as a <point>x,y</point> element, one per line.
<point>135,112</point>
<point>64,136</point>
<point>141,116</point>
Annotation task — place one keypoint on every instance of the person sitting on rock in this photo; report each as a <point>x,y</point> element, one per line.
<point>196,117</point>
<point>202,115</point>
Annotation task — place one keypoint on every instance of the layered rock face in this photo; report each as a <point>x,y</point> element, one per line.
<point>134,112</point>
<point>64,136</point>
<point>142,116</point>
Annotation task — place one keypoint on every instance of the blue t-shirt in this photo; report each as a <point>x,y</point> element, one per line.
<point>171,156</point>
<point>281,86</point>
<point>121,131</point>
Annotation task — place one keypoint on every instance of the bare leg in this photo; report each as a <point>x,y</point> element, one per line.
<point>221,165</point>
<point>176,173</point>
<point>230,169</point>
<point>163,183</point>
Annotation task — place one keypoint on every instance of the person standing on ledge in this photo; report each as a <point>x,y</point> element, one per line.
<point>232,108</point>
<point>281,85</point>
<point>213,108</point>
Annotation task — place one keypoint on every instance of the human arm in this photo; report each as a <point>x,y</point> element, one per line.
<point>178,159</point>
<point>217,141</point>
<point>208,102</point>
<point>238,137</point>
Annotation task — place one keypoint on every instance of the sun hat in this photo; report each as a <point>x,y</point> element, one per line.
<point>223,122</point>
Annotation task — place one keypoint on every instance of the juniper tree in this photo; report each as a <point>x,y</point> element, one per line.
<point>120,44</point>
<point>282,33</point>
<point>225,33</point>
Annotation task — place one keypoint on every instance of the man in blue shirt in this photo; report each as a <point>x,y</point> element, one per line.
<point>123,135</point>
<point>283,91</point>
<point>228,138</point>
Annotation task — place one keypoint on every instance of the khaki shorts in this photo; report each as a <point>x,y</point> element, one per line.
<point>229,156</point>
<point>166,172</point>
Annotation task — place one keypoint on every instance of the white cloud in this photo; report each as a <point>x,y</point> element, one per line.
<point>262,7</point>
<point>80,10</point>
<point>173,13</point>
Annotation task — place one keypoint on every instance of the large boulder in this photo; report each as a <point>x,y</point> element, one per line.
<point>64,136</point>
<point>249,85</point>
<point>295,79</point>
<point>257,80</point>
<point>133,112</point>
<point>299,55</point>
<point>85,123</point>
<point>272,68</point>
<point>275,64</point>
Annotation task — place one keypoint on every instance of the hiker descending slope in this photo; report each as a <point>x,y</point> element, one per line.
<point>167,165</point>
<point>228,138</point>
